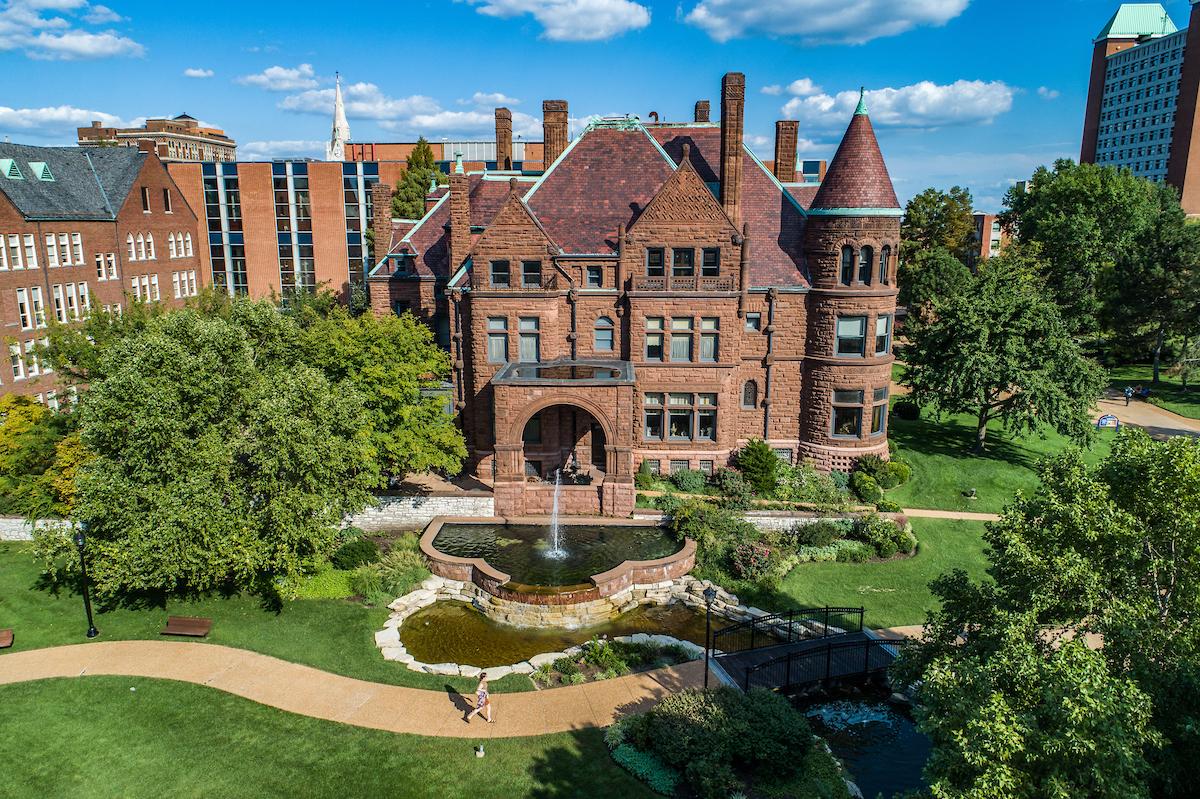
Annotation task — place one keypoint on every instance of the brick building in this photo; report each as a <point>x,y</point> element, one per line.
<point>180,138</point>
<point>990,238</point>
<point>1143,93</point>
<point>657,296</point>
<point>84,228</point>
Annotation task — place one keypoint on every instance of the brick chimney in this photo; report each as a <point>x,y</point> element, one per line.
<point>381,220</point>
<point>554,127</point>
<point>702,111</point>
<point>786,132</point>
<point>460,215</point>
<point>733,100</point>
<point>504,141</point>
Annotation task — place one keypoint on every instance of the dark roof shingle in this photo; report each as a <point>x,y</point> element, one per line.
<point>857,177</point>
<point>89,183</point>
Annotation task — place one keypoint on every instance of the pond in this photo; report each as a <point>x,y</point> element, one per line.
<point>455,632</point>
<point>522,550</point>
<point>880,744</point>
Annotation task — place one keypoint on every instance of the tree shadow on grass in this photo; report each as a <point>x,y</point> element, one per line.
<point>953,440</point>
<point>583,769</point>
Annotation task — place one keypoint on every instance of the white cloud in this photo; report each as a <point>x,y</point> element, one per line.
<point>58,120</point>
<point>572,20</point>
<point>773,89</point>
<point>803,87</point>
<point>287,148</point>
<point>921,105</point>
<point>197,72</point>
<point>1046,93</point>
<point>282,79</point>
<point>493,99</point>
<point>50,30</point>
<point>820,21</point>
<point>363,100</point>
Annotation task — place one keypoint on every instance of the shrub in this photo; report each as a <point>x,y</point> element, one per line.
<point>574,679</point>
<point>853,552</point>
<point>658,776</point>
<point>689,481</point>
<point>826,554</point>
<point>355,553</point>
<point>882,535</point>
<point>820,533</point>
<point>644,480</point>
<point>886,505</point>
<point>907,410</point>
<point>899,470</point>
<point>840,479</point>
<point>326,584</point>
<point>803,483</point>
<point>865,487</point>
<point>751,561</point>
<point>872,465</point>
<point>759,465</point>
<point>566,667</point>
<point>736,492</point>
<point>603,656</point>
<point>714,530</point>
<point>397,573</point>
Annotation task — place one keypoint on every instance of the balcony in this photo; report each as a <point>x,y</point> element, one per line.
<point>694,283</point>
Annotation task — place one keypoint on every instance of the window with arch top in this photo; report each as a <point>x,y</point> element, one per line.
<point>602,335</point>
<point>750,394</point>
<point>866,264</point>
<point>885,261</point>
<point>847,265</point>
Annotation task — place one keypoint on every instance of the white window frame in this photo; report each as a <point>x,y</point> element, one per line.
<point>64,245</point>
<point>23,312</point>
<point>51,251</point>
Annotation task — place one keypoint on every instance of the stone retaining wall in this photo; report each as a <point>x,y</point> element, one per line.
<point>15,528</point>
<point>411,511</point>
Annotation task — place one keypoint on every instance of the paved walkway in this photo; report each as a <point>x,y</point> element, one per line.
<point>1158,422</point>
<point>311,692</point>
<point>971,516</point>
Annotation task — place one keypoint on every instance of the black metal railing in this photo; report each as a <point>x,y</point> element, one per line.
<point>835,659</point>
<point>787,627</point>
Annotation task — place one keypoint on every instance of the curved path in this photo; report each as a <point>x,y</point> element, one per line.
<point>320,694</point>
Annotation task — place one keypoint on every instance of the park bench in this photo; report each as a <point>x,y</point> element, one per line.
<point>193,626</point>
<point>6,639</point>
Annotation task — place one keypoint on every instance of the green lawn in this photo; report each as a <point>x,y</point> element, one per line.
<point>1168,393</point>
<point>894,592</point>
<point>95,737</point>
<point>944,466</point>
<point>335,635</point>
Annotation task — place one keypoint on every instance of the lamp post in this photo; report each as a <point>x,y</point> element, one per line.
<point>80,540</point>
<point>710,594</point>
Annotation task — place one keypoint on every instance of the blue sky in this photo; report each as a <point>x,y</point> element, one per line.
<point>969,92</point>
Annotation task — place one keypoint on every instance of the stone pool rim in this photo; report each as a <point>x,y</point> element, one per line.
<point>599,586</point>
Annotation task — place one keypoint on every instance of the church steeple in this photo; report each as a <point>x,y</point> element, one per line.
<point>335,150</point>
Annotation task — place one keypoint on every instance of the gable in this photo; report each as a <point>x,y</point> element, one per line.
<point>684,198</point>
<point>514,227</point>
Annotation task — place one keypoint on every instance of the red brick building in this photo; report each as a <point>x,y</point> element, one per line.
<point>83,229</point>
<point>656,296</point>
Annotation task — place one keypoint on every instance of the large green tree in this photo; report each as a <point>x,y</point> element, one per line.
<point>1153,291</point>
<point>1084,219</point>
<point>999,350</point>
<point>421,172</point>
<point>936,219</point>
<point>931,275</point>
<point>30,437</point>
<point>218,459</point>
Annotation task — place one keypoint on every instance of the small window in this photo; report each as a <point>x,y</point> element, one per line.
<point>706,467</point>
<point>594,277</point>
<point>847,276</point>
<point>531,274</point>
<point>654,466</point>
<point>681,339</point>
<point>753,322</point>
<point>750,394</point>
<point>784,454</point>
<point>683,262</point>
<point>709,339</point>
<point>654,338</point>
<point>885,262</point>
<point>497,340</point>
<point>655,262</point>
<point>679,466</point>
<point>851,336</point>
<point>499,274</point>
<point>603,335</point>
<point>653,418</point>
<point>883,335</point>
<point>878,419</point>
<point>866,263</point>
<point>146,199</point>
<point>711,265</point>
<point>530,339</point>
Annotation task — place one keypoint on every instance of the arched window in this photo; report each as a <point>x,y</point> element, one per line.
<point>150,246</point>
<point>132,247</point>
<point>171,245</point>
<point>847,265</point>
<point>866,264</point>
<point>187,238</point>
<point>885,262</point>
<point>750,394</point>
<point>141,247</point>
<point>603,335</point>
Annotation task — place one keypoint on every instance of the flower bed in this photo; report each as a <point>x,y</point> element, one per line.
<point>601,659</point>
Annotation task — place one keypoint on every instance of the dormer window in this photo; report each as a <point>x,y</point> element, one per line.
<point>10,169</point>
<point>41,171</point>
<point>710,266</point>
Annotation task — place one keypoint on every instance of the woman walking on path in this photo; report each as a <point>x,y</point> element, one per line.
<point>483,701</point>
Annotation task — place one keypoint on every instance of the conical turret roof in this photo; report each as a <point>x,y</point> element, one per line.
<point>857,177</point>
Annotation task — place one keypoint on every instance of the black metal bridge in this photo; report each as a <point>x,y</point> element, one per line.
<point>798,648</point>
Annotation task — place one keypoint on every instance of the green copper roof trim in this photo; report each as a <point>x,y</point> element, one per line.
<point>466,267</point>
<point>429,214</point>
<point>1134,20</point>
<point>856,212</point>
<point>862,102</point>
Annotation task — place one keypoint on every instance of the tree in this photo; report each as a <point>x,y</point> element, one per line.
<point>936,219</point>
<point>929,275</point>
<point>1000,351</point>
<point>29,435</point>
<point>760,466</point>
<point>213,465</point>
<point>1154,290</point>
<point>1084,219</point>
<point>408,200</point>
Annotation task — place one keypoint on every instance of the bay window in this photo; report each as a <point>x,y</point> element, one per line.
<point>851,336</point>
<point>847,414</point>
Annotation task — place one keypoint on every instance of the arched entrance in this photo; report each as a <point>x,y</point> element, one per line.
<point>567,440</point>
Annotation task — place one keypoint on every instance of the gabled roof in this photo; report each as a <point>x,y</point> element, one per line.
<point>1134,20</point>
<point>776,220</point>
<point>684,197</point>
<point>857,177</point>
<point>603,180</point>
<point>89,183</point>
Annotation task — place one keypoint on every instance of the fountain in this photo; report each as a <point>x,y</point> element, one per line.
<point>556,551</point>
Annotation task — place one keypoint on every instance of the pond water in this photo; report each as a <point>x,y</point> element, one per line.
<point>520,550</point>
<point>455,632</point>
<point>879,744</point>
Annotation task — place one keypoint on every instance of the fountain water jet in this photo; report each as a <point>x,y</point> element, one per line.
<point>556,551</point>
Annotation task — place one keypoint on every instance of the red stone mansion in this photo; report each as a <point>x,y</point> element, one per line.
<point>657,295</point>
